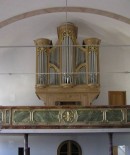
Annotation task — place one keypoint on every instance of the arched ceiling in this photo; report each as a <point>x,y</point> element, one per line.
<point>23,21</point>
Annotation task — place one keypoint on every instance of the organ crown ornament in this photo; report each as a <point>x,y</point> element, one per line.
<point>67,73</point>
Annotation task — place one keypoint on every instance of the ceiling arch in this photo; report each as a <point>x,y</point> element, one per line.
<point>64,9</point>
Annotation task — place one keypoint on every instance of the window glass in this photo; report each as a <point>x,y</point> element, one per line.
<point>69,147</point>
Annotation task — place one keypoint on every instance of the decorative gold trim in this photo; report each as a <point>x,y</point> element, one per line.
<point>67,29</point>
<point>80,66</point>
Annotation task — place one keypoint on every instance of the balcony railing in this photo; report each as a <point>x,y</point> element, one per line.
<point>64,117</point>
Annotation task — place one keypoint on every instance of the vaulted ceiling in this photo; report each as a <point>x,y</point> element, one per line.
<point>23,21</point>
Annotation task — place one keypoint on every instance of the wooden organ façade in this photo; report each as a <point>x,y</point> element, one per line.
<point>67,73</point>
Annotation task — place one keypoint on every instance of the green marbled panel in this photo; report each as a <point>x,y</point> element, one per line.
<point>128,115</point>
<point>90,116</point>
<point>21,117</point>
<point>1,118</point>
<point>46,116</point>
<point>7,114</point>
<point>114,115</point>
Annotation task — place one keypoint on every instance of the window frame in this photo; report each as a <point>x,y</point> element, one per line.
<point>69,147</point>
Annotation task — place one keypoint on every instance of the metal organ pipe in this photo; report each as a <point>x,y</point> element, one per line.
<point>92,59</point>
<point>40,68</point>
<point>67,59</point>
<point>41,80</point>
<point>38,80</point>
<point>71,49</point>
<point>67,52</point>
<point>42,60</point>
<point>95,67</point>
<point>44,67</point>
<point>64,60</point>
<point>92,67</point>
<point>92,63</point>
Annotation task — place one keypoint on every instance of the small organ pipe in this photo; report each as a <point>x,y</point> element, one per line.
<point>39,68</point>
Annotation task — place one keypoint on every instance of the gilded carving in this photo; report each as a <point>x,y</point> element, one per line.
<point>68,116</point>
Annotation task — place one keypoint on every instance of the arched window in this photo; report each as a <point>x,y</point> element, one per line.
<point>69,147</point>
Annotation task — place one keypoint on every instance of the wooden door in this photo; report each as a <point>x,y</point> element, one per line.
<point>117,98</point>
<point>115,150</point>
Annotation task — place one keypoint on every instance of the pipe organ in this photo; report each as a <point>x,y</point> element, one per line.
<point>67,73</point>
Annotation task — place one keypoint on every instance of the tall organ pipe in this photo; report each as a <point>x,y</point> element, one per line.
<point>93,59</point>
<point>67,59</point>
<point>67,34</point>
<point>42,60</point>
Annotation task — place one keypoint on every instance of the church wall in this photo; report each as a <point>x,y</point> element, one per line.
<point>47,144</point>
<point>91,143</point>
<point>17,78</point>
<point>114,61</point>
